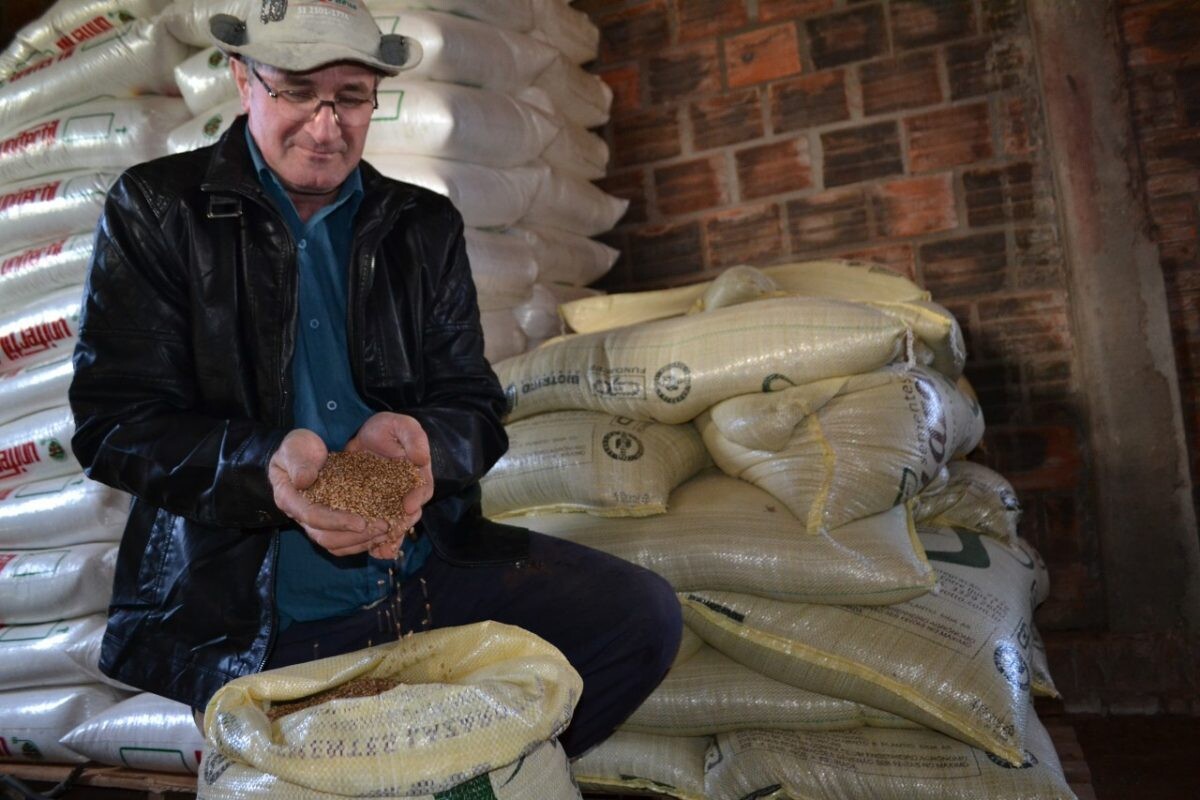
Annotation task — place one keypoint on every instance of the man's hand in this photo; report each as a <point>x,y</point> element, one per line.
<point>398,436</point>
<point>294,467</point>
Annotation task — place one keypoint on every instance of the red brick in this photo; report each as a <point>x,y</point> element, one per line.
<point>700,19</point>
<point>907,82</point>
<point>1016,327</point>
<point>776,168</point>
<point>860,154</point>
<point>949,137</point>
<point>1160,33</point>
<point>996,195</point>
<point>769,10</point>
<point>686,70</point>
<point>745,235</point>
<point>625,83</point>
<point>726,119</point>
<point>1003,16</point>
<point>898,258</point>
<point>690,186</point>
<point>855,35</point>
<point>918,23</point>
<point>809,101</point>
<point>972,265</point>
<point>636,31</point>
<point>1036,456</point>
<point>981,66</point>
<point>828,219</point>
<point>1019,127</point>
<point>629,186</point>
<point>645,136</point>
<point>1038,257</point>
<point>762,55</point>
<point>914,206</point>
<point>665,251</point>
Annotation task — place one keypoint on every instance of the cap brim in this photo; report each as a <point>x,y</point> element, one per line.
<point>397,53</point>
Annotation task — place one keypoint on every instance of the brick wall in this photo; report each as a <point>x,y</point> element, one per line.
<point>906,132</point>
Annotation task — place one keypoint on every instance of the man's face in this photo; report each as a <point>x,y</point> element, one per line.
<point>314,155</point>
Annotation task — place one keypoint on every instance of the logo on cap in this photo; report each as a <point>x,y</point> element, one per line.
<point>273,11</point>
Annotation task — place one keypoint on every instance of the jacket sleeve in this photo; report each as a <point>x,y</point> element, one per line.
<point>463,401</point>
<point>140,424</point>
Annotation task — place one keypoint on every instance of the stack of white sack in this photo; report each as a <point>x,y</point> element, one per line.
<point>86,90</point>
<point>495,117</point>
<point>854,589</point>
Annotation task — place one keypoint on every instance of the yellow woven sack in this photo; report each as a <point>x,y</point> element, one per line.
<point>725,534</point>
<point>591,461</point>
<point>672,369</point>
<point>972,497</point>
<point>878,764</point>
<point>638,762</point>
<point>955,660</point>
<point>845,448</point>
<point>473,702</point>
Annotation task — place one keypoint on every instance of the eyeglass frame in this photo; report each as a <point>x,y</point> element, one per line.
<point>275,95</point>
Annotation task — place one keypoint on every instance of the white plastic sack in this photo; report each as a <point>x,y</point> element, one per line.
<point>724,534</point>
<point>502,336</point>
<point>57,653</point>
<point>568,30</point>
<point>538,316</point>
<point>39,269</point>
<point>972,497</point>
<point>37,446</point>
<point>137,59</point>
<point>70,23</point>
<point>628,761</point>
<point>590,461</point>
<point>564,257</point>
<point>572,204</point>
<point>878,764</point>
<point>577,152</point>
<point>671,370</point>
<point>844,448</point>
<point>514,15</point>
<point>470,52</point>
<point>480,126</point>
<point>581,97</point>
<point>145,732</point>
<point>955,660</point>
<point>205,81</point>
<point>33,720</point>
<point>51,206</point>
<point>59,512</point>
<point>205,128</point>
<point>41,331</point>
<point>57,583</point>
<point>472,702</point>
<point>34,389</point>
<point>502,268</point>
<point>487,197</point>
<point>95,134</point>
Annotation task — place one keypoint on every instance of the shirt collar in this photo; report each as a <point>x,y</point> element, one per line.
<point>352,187</point>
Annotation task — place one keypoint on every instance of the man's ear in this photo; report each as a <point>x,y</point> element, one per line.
<point>241,76</point>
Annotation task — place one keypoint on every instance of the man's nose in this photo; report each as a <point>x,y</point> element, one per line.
<point>324,125</point>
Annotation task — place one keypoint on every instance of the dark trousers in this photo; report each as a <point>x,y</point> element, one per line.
<point>617,623</point>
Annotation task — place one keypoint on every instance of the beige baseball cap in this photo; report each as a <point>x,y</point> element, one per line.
<point>300,35</point>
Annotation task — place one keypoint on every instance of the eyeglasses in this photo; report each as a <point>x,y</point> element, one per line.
<point>301,105</point>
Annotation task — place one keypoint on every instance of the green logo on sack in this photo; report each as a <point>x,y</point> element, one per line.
<point>212,126</point>
<point>478,788</point>
<point>56,450</point>
<point>216,60</point>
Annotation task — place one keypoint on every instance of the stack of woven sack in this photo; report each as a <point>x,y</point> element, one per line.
<point>495,117</point>
<point>858,603</point>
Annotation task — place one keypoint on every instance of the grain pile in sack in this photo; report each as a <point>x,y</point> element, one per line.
<point>878,764</point>
<point>56,583</point>
<point>840,449</point>
<point>721,533</point>
<point>57,653</point>
<point>590,461</point>
<point>68,24</point>
<point>835,279</point>
<point>51,206</point>
<point>955,660</point>
<point>628,761</point>
<point>34,388</point>
<point>710,693</point>
<point>138,58</point>
<point>34,270</point>
<point>145,732</point>
<point>62,511</point>
<point>671,370</point>
<point>476,710</point>
<point>37,446</point>
<point>33,720</point>
<point>973,497</point>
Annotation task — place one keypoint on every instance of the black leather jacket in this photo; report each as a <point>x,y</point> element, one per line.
<point>182,391</point>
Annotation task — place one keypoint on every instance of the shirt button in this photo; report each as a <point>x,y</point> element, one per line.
<point>303,243</point>
<point>331,405</point>
<point>314,323</point>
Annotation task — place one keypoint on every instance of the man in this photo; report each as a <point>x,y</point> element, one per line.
<point>251,307</point>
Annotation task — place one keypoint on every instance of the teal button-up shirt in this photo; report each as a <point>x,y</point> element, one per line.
<point>311,583</point>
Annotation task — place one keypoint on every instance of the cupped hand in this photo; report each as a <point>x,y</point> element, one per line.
<point>398,436</point>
